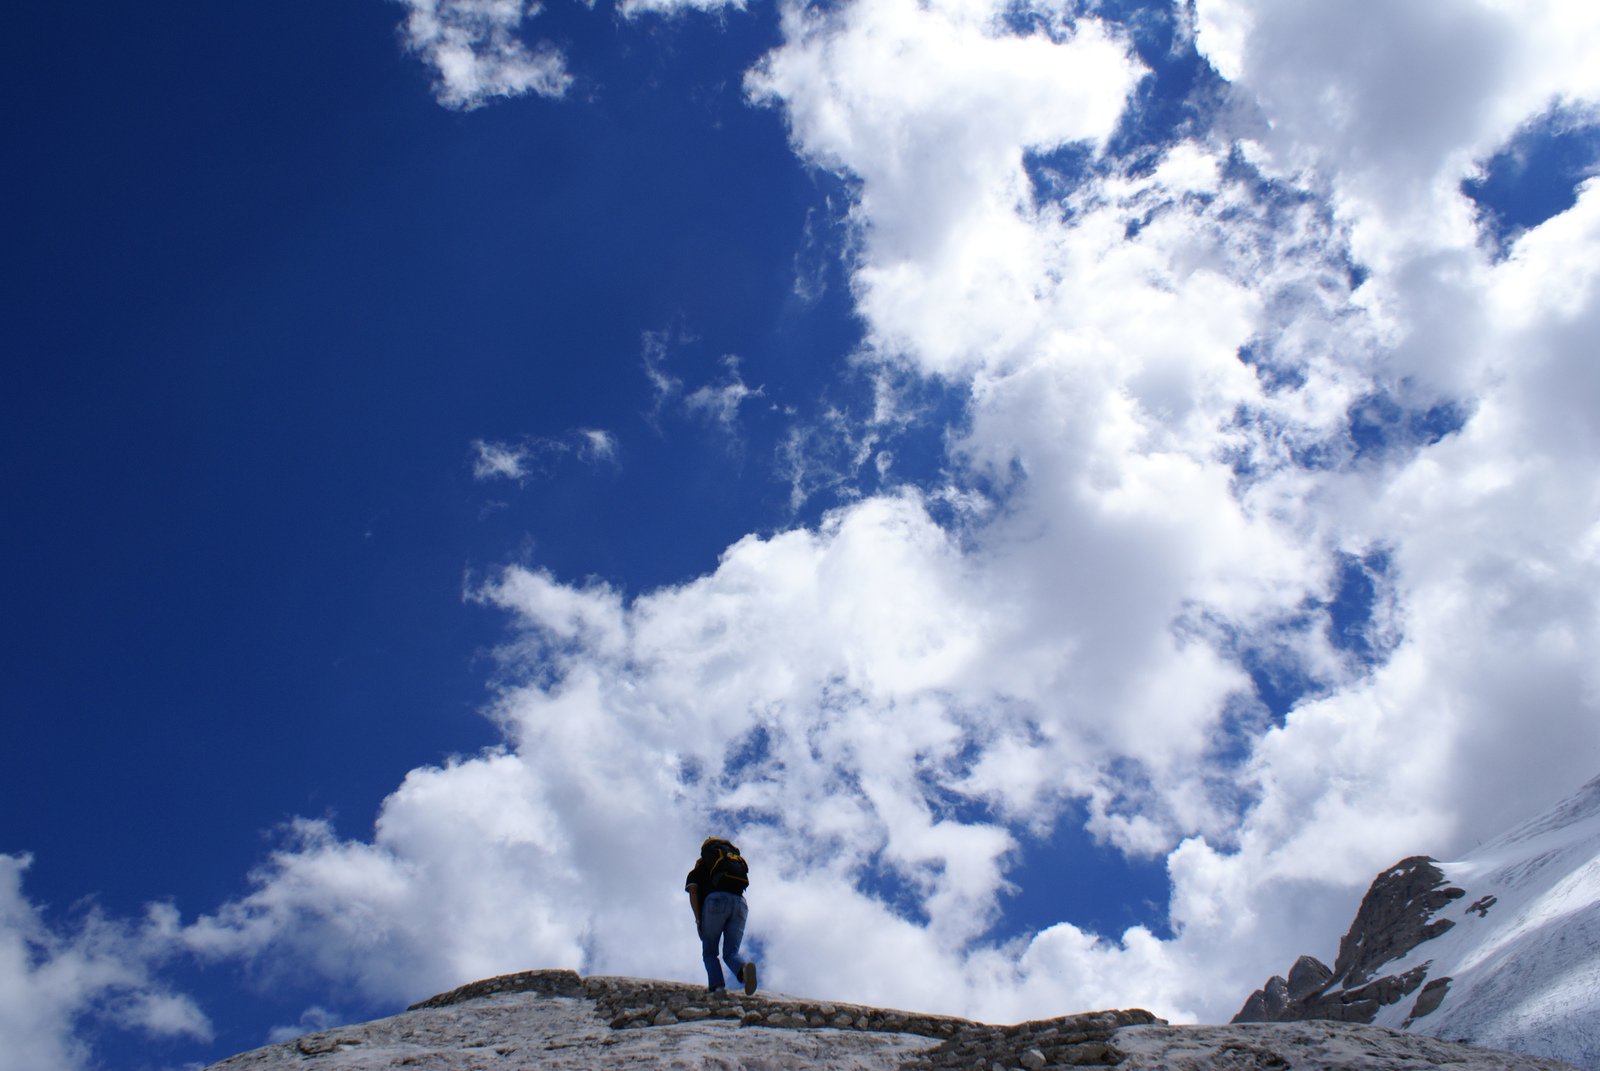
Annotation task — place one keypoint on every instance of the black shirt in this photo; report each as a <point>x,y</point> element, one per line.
<point>700,878</point>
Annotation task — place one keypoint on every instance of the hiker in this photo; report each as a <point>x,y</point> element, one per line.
<point>716,893</point>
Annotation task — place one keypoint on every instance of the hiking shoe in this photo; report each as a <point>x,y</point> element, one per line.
<point>747,974</point>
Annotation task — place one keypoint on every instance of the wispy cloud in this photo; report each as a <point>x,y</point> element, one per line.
<point>718,402</point>
<point>655,353</point>
<point>500,460</point>
<point>531,457</point>
<point>636,8</point>
<point>476,54</point>
<point>811,262</point>
<point>826,455</point>
<point>597,445</point>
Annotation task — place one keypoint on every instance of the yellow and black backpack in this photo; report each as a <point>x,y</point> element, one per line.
<point>726,867</point>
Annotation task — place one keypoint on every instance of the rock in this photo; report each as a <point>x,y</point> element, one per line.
<point>618,1024</point>
<point>1275,996</point>
<point>321,1044</point>
<point>1320,1045</point>
<point>1094,1054</point>
<point>1254,1010</point>
<point>1394,918</point>
<point>1429,999</point>
<point>1397,914</point>
<point>551,983</point>
<point>1308,975</point>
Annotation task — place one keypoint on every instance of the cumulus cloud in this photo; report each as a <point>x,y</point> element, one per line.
<point>1169,373</point>
<point>1391,109</point>
<point>54,977</point>
<point>1188,415</point>
<point>476,54</point>
<point>931,108</point>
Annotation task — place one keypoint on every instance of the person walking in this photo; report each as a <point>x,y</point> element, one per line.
<point>716,893</point>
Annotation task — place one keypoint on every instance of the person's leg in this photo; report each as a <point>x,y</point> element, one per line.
<point>713,918</point>
<point>733,934</point>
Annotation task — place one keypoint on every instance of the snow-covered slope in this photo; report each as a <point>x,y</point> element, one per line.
<point>1500,949</point>
<point>1523,958</point>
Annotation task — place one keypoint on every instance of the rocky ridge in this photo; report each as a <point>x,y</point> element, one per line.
<point>555,1020</point>
<point>1398,913</point>
<point>1500,948</point>
<point>632,1004</point>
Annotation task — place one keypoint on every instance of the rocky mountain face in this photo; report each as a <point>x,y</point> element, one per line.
<point>557,1021</point>
<point>1499,949</point>
<point>1400,911</point>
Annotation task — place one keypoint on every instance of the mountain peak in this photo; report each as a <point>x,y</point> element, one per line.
<point>1517,966</point>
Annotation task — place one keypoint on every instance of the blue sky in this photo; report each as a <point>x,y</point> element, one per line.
<point>1074,489</point>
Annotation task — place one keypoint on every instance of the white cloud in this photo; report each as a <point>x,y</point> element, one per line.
<point>878,709</point>
<point>51,978</point>
<point>492,460</point>
<point>533,456</point>
<point>597,445</point>
<point>636,8</point>
<point>824,454</point>
<point>720,402</point>
<point>162,1015</point>
<point>716,403</point>
<point>1392,107</point>
<point>475,52</point>
<point>931,107</point>
<point>311,1020</point>
<point>656,350</point>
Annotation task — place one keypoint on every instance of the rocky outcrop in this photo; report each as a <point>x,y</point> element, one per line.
<point>633,1004</point>
<point>1428,1000</point>
<point>1399,912</point>
<point>1500,948</point>
<point>550,983</point>
<point>1395,916</point>
<point>1267,1005</point>
<point>558,1021</point>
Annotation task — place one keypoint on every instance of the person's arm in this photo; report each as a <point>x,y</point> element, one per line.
<point>694,904</point>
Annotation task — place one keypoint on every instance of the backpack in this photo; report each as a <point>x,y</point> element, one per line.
<point>725,866</point>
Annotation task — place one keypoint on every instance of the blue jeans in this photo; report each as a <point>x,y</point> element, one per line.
<point>722,919</point>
